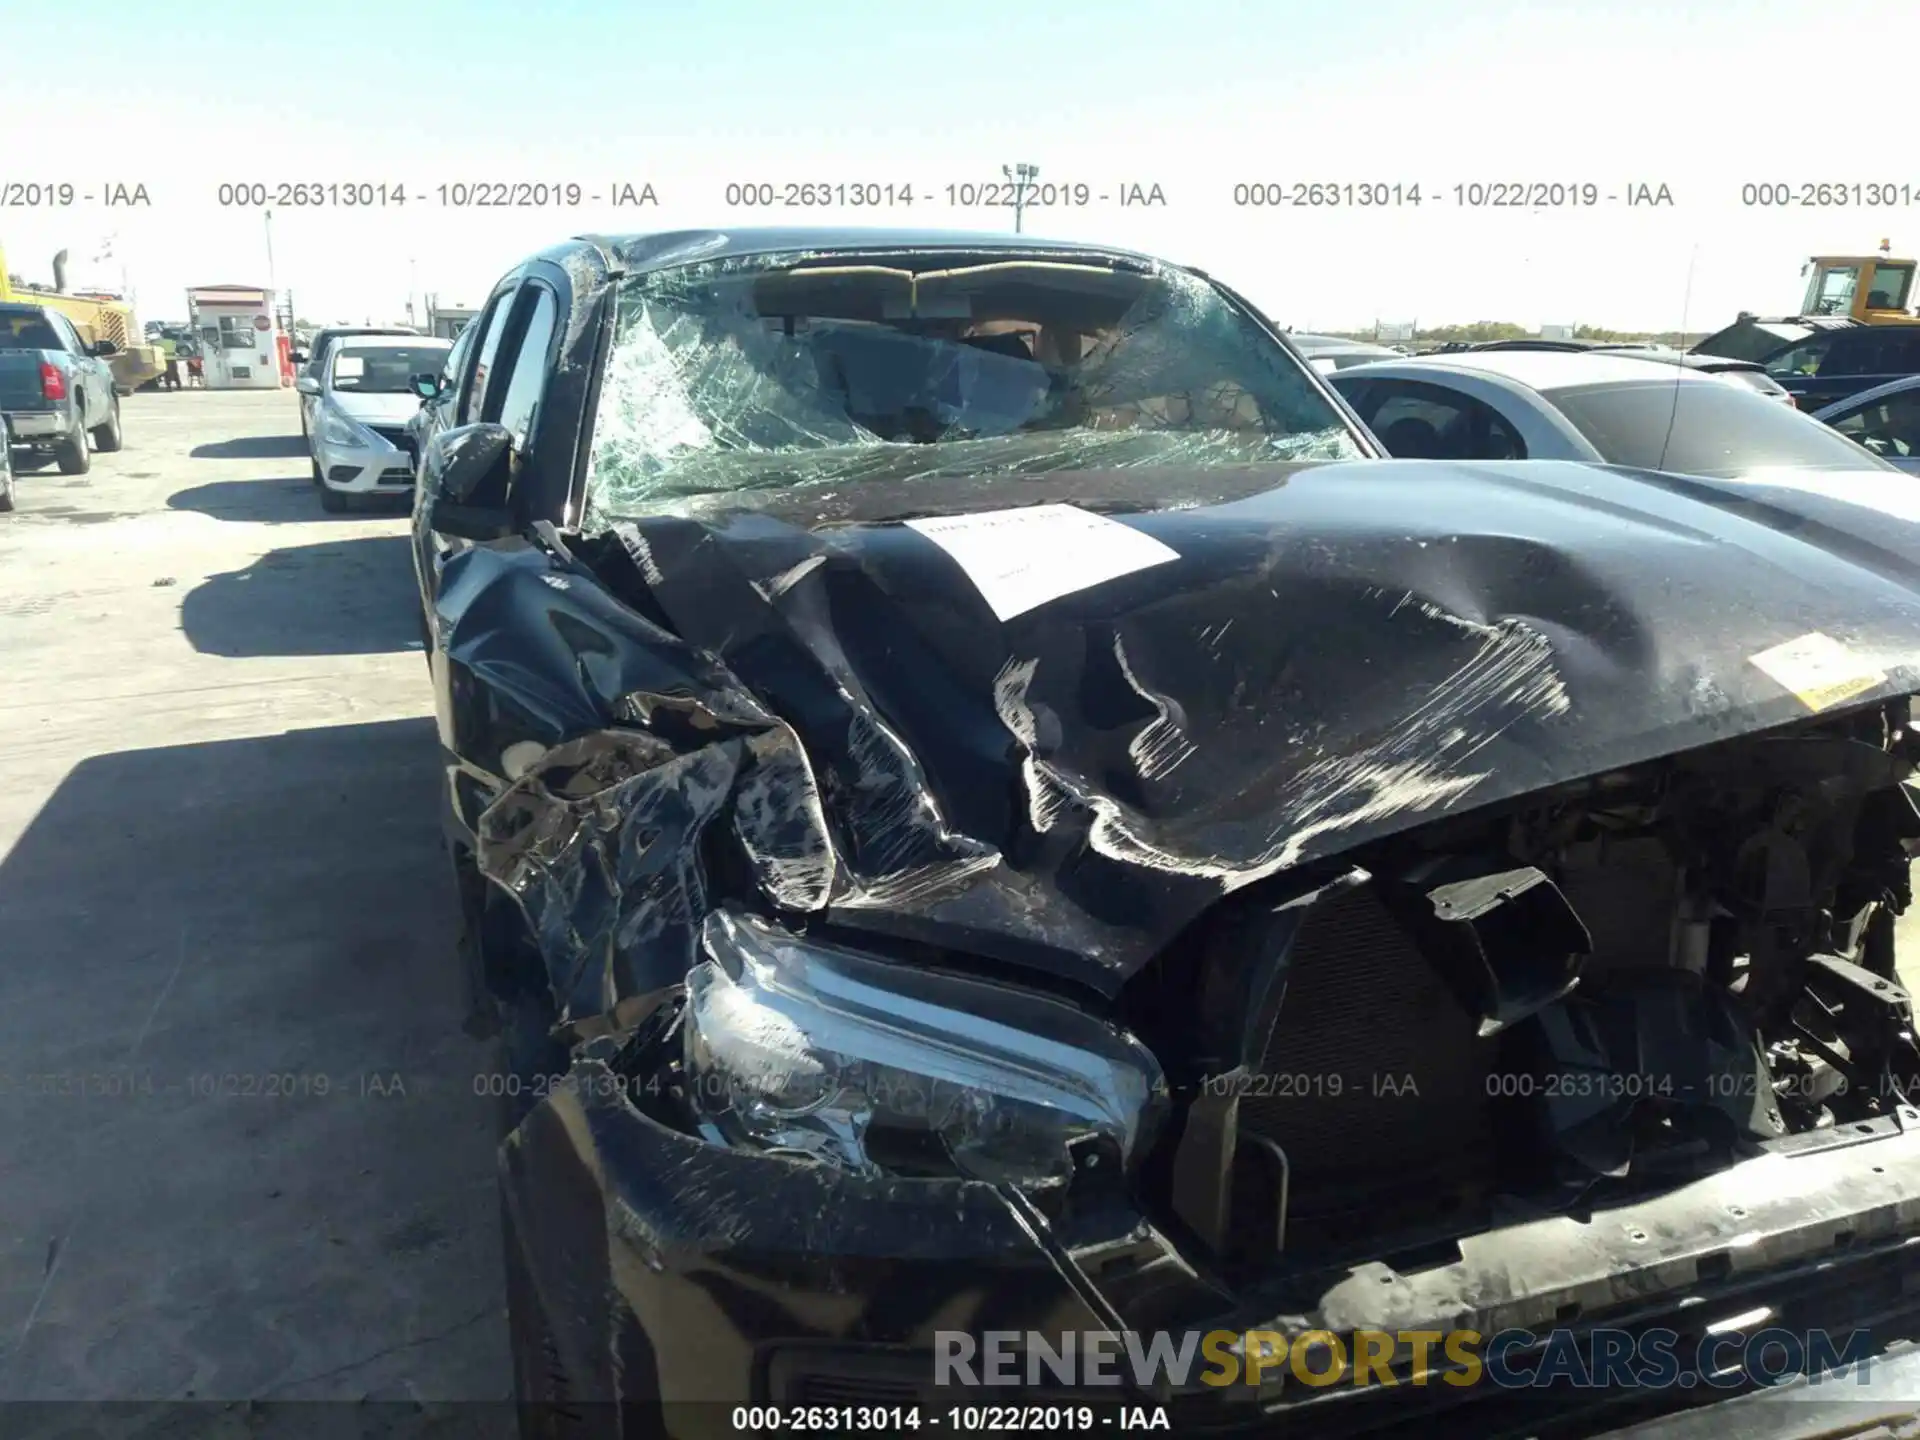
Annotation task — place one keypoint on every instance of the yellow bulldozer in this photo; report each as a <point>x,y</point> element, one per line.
<point>97,315</point>
<point>1872,289</point>
<point>1842,291</point>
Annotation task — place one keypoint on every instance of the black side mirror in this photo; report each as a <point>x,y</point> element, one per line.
<point>103,348</point>
<point>464,478</point>
<point>426,386</point>
<point>299,357</point>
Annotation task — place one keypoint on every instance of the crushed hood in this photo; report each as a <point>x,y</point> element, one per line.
<point>819,703</point>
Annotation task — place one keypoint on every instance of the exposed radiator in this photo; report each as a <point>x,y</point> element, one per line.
<point>1412,1111</point>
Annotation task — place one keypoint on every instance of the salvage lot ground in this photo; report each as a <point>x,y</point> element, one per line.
<point>222,894</point>
<point>219,872</point>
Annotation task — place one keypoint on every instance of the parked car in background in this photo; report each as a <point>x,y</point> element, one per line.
<point>1885,419</point>
<point>1611,408</point>
<point>313,359</point>
<point>361,401</point>
<point>1750,373</point>
<point>56,390</point>
<point>1327,353</point>
<point>1831,365</point>
<point>930,720</point>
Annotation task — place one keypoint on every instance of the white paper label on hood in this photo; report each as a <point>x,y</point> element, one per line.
<point>1019,559</point>
<point>1819,670</point>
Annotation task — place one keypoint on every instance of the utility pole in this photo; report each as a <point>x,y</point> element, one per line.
<point>270,281</point>
<point>1022,176</point>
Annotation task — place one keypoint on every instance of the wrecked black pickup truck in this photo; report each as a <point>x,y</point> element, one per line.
<point>982,803</point>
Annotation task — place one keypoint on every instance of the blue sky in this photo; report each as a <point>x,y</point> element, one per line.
<point>1192,97</point>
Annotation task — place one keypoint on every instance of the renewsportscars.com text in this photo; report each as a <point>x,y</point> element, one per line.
<point>1598,1358</point>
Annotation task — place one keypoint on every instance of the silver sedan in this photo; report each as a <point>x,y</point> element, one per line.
<point>1610,408</point>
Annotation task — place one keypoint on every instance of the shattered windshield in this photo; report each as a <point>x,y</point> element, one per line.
<point>784,373</point>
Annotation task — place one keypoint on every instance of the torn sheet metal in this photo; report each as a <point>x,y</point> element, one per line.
<point>814,704</point>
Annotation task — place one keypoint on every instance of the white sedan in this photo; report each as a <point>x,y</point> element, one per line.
<point>1885,419</point>
<point>362,400</point>
<point>1610,408</point>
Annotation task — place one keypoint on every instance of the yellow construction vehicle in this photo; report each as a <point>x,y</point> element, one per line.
<point>1842,291</point>
<point>1873,289</point>
<point>97,316</point>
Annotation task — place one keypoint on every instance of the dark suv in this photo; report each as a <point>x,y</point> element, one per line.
<point>1834,364</point>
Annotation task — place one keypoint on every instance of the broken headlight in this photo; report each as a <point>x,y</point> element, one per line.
<point>887,1068</point>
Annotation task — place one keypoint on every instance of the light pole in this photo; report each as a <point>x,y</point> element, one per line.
<point>270,281</point>
<point>1022,176</point>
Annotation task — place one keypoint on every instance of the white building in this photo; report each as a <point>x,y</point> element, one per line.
<point>241,344</point>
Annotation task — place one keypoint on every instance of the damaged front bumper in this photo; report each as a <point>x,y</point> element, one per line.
<point>708,1276</point>
<point>668,1265</point>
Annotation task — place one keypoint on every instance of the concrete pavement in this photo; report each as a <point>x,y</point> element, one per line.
<point>241,1152</point>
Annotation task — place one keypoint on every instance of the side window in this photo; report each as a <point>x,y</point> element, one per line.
<point>1889,427</point>
<point>1900,350</point>
<point>456,359</point>
<point>1357,393</point>
<point>69,336</point>
<point>1836,290</point>
<point>1430,422</point>
<point>1801,359</point>
<point>520,401</point>
<point>493,325</point>
<point>1854,356</point>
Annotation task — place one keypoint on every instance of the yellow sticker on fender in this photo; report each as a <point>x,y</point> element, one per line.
<point>1819,670</point>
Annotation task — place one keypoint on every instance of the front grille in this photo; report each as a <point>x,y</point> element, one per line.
<point>1411,1113</point>
<point>396,437</point>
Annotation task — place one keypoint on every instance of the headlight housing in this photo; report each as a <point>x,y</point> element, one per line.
<point>877,1067</point>
<point>337,429</point>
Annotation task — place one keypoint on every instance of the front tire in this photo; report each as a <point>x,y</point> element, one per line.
<point>332,501</point>
<point>72,455</point>
<point>106,435</point>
